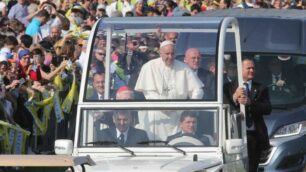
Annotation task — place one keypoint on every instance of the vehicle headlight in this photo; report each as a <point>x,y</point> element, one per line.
<point>294,129</point>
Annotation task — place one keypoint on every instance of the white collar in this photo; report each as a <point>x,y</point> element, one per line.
<point>249,84</point>
<point>100,95</point>
<point>124,133</point>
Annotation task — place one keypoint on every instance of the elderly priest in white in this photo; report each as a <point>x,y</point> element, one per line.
<point>168,78</point>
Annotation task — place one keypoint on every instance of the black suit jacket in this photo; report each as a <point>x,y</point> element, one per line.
<point>94,96</point>
<point>134,136</point>
<point>208,79</point>
<point>137,60</point>
<point>260,105</point>
<point>202,138</point>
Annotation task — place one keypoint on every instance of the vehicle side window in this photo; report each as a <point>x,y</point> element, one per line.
<point>150,67</point>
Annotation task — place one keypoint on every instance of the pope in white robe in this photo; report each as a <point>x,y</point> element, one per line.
<point>166,78</point>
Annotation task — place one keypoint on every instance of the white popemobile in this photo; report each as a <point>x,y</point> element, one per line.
<point>103,127</point>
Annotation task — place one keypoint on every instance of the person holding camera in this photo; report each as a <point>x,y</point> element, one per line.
<point>37,71</point>
<point>131,62</point>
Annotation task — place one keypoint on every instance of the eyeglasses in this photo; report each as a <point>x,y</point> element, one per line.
<point>196,58</point>
<point>101,54</point>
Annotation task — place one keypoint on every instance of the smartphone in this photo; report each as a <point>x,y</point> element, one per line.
<point>21,81</point>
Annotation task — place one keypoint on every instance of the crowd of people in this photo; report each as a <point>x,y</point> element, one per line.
<point>41,42</point>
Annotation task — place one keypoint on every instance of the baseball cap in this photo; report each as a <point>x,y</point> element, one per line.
<point>6,53</point>
<point>23,53</point>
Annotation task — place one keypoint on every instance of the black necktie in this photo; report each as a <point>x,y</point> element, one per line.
<point>121,139</point>
<point>249,121</point>
<point>247,89</point>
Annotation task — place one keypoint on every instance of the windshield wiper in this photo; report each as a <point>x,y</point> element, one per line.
<point>153,141</point>
<point>111,143</point>
<point>165,143</point>
<point>101,143</point>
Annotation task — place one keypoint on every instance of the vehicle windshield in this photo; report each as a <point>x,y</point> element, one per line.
<point>283,75</point>
<point>137,62</point>
<point>138,128</point>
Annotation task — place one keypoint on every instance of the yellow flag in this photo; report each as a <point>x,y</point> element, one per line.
<point>58,82</point>
<point>66,106</point>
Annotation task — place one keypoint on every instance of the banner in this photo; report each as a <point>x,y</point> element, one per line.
<point>14,138</point>
<point>40,126</point>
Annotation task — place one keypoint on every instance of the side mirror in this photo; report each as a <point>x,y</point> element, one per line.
<point>63,147</point>
<point>234,146</point>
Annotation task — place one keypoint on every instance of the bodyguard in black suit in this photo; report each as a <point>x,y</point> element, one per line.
<point>123,133</point>
<point>188,125</point>
<point>256,99</point>
<point>193,60</point>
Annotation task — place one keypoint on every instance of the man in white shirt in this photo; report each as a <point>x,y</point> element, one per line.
<point>167,78</point>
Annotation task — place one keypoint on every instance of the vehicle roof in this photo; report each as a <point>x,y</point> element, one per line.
<point>267,30</point>
<point>257,13</point>
<point>160,22</point>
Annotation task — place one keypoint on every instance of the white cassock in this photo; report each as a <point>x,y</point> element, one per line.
<point>158,81</point>
<point>159,124</point>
